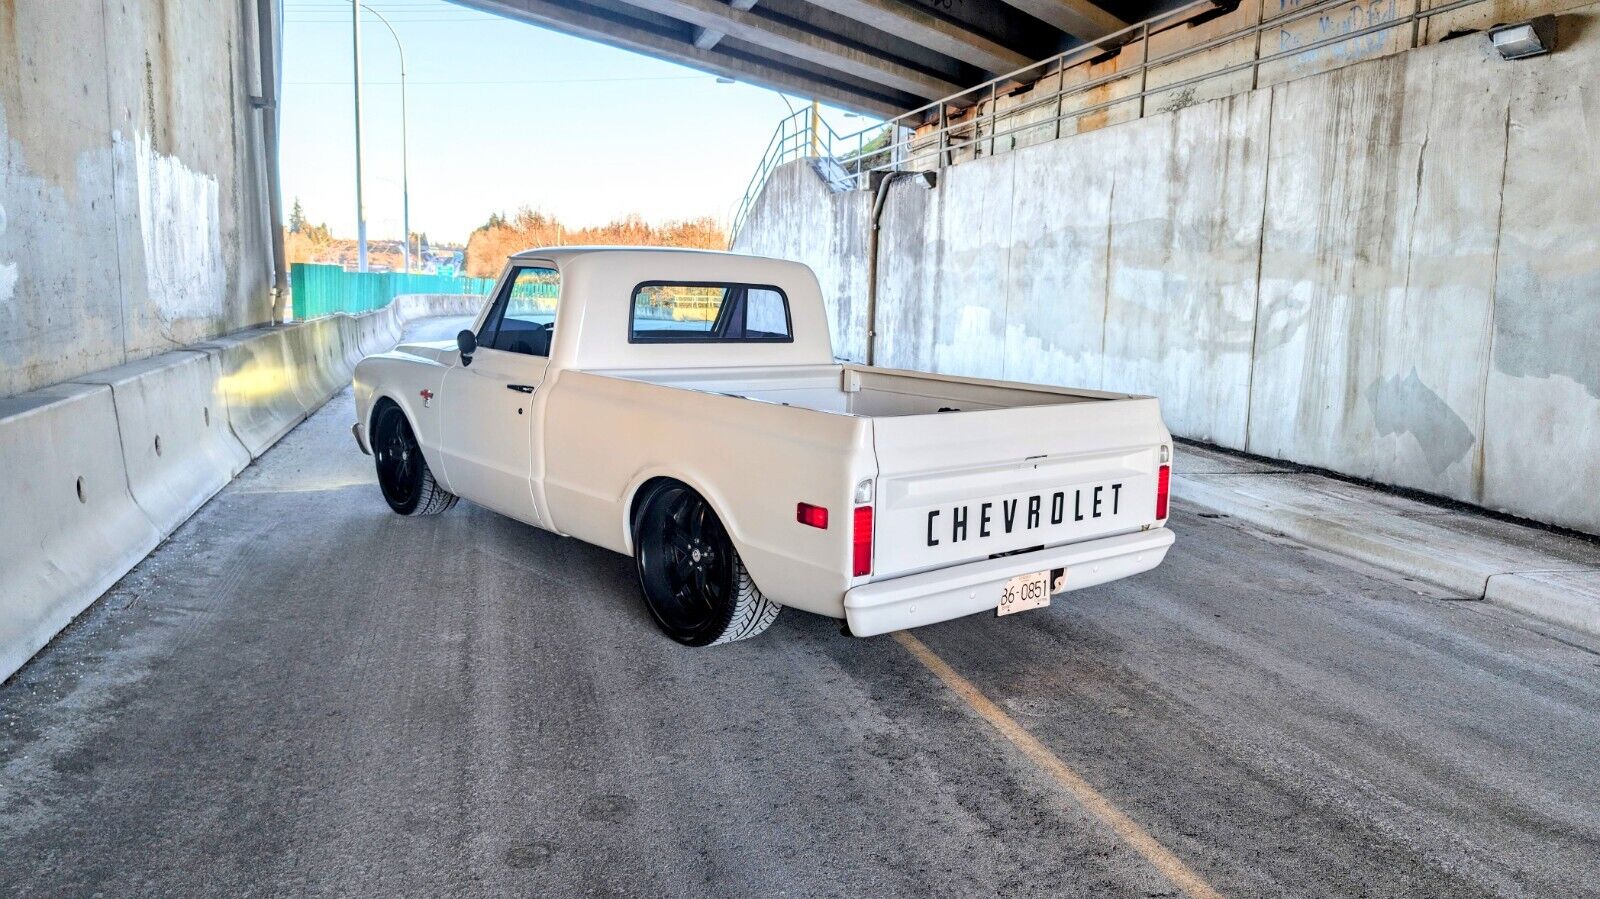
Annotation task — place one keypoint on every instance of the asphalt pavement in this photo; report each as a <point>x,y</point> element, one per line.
<point>302,693</point>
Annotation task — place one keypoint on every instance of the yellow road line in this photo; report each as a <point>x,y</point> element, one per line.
<point>1170,866</point>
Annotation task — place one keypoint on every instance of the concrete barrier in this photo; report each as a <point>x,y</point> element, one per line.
<point>99,470</point>
<point>70,525</point>
<point>258,383</point>
<point>172,421</point>
<point>317,368</point>
<point>350,340</point>
<point>426,304</point>
<point>379,331</point>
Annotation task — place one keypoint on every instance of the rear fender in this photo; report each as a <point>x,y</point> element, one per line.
<point>698,485</point>
<point>777,575</point>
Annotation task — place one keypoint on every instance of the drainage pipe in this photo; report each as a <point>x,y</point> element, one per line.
<point>879,196</point>
<point>270,69</point>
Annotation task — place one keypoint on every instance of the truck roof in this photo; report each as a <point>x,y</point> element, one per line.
<point>563,253</point>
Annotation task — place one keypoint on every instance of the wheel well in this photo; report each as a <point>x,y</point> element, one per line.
<point>382,403</point>
<point>652,486</point>
<point>642,497</point>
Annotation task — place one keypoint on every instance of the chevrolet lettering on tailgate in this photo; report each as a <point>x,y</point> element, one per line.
<point>960,523</point>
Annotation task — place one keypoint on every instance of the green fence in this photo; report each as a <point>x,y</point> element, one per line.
<point>326,289</point>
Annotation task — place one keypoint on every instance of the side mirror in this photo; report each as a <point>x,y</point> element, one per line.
<point>467,343</point>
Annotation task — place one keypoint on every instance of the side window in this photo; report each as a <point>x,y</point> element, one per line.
<point>524,314</point>
<point>698,312</point>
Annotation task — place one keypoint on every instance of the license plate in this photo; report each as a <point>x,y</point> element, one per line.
<point>1024,592</point>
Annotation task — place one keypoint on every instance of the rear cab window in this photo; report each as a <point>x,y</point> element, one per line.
<point>709,312</point>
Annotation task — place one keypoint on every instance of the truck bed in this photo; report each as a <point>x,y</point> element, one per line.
<point>863,391</point>
<point>1024,466</point>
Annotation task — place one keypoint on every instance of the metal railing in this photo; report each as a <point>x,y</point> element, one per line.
<point>979,121</point>
<point>804,135</point>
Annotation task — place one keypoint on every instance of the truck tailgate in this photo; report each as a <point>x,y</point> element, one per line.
<point>958,487</point>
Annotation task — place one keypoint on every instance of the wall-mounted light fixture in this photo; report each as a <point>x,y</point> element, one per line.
<point>1534,37</point>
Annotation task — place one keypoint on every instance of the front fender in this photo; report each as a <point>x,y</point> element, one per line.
<point>413,384</point>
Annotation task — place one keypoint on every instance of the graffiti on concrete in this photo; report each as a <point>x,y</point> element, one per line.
<point>1347,19</point>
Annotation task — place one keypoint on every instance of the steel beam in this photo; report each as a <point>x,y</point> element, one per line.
<point>607,30</point>
<point>787,40</point>
<point>939,35</point>
<point>705,38</point>
<point>1079,18</point>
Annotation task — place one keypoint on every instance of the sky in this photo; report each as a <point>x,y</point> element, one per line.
<point>504,115</point>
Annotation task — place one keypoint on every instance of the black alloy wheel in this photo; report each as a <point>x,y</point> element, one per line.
<point>687,566</point>
<point>399,460</point>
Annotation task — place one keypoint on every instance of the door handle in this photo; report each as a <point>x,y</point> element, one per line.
<point>520,388</point>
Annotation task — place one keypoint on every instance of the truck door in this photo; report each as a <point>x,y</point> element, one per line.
<point>488,403</point>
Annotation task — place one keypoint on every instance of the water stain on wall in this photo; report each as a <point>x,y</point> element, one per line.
<point>1405,405</point>
<point>8,270</point>
<point>8,29</point>
<point>1530,341</point>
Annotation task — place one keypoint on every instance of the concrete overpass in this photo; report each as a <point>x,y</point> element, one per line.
<point>876,56</point>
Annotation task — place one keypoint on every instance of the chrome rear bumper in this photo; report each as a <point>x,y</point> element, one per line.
<point>934,596</point>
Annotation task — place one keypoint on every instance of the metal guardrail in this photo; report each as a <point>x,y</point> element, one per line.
<point>907,143</point>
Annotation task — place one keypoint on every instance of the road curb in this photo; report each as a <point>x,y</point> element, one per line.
<point>1570,598</point>
<point>1455,551</point>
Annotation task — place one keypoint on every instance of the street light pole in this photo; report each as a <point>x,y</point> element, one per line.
<point>361,209</point>
<point>405,161</point>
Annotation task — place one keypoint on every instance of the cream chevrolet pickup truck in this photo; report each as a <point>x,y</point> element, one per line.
<point>685,408</point>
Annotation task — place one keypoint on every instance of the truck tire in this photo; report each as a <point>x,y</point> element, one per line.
<point>694,583</point>
<point>403,474</point>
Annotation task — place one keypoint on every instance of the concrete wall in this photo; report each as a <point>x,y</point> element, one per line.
<point>1390,270</point>
<point>132,199</point>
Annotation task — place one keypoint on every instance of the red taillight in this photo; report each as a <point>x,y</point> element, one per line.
<point>861,542</point>
<point>1163,478</point>
<point>812,516</point>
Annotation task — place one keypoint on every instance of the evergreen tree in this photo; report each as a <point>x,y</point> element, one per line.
<point>297,218</point>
